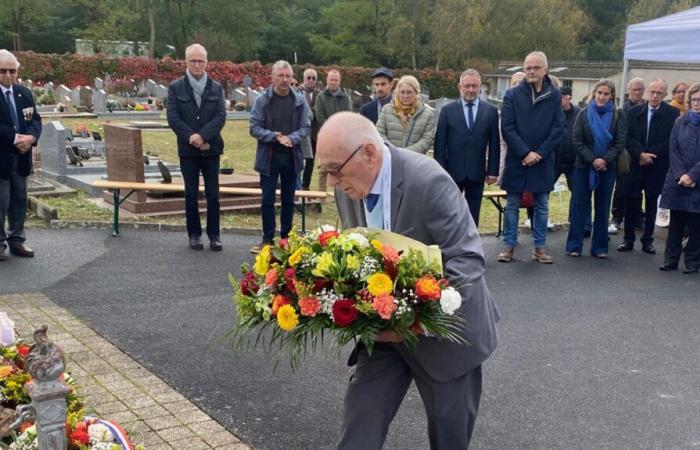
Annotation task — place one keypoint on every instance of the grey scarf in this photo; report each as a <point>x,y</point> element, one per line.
<point>197,86</point>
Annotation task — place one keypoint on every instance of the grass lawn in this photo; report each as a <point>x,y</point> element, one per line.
<point>240,149</point>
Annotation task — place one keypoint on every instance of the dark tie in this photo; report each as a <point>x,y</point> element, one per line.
<point>371,201</point>
<point>470,114</point>
<point>11,107</point>
<point>652,112</point>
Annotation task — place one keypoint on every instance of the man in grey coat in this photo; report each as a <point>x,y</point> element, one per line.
<point>380,186</point>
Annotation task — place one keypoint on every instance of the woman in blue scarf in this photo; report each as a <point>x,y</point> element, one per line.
<point>599,137</point>
<point>681,192</point>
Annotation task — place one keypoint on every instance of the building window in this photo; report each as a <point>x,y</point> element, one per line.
<point>568,83</point>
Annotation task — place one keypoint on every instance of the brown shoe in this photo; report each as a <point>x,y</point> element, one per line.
<point>22,250</point>
<point>3,256</point>
<point>506,255</point>
<point>540,255</point>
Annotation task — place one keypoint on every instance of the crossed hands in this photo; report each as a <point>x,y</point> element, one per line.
<point>646,159</point>
<point>531,159</point>
<point>686,181</point>
<point>284,140</point>
<point>600,165</point>
<point>24,142</point>
<point>196,140</point>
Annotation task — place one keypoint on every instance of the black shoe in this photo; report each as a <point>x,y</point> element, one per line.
<point>668,267</point>
<point>3,256</point>
<point>625,247</point>
<point>691,270</point>
<point>196,243</point>
<point>649,248</point>
<point>215,243</point>
<point>22,250</point>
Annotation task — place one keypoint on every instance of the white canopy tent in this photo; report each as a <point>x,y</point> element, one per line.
<point>669,39</point>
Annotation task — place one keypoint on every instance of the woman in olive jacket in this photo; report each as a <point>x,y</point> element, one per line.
<point>407,122</point>
<point>599,138</point>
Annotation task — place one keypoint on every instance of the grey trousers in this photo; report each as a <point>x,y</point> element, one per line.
<point>378,387</point>
<point>13,207</point>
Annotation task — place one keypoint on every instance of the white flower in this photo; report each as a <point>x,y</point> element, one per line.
<point>100,433</point>
<point>359,239</point>
<point>450,300</point>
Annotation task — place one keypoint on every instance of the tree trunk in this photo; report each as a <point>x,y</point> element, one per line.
<point>152,25</point>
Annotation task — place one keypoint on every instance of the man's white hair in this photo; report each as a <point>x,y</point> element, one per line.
<point>662,81</point>
<point>193,47</point>
<point>357,130</point>
<point>541,55</point>
<point>281,64</point>
<point>635,80</point>
<point>6,56</point>
<point>470,72</point>
<point>310,71</point>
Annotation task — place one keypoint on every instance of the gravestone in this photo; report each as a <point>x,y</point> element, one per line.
<point>161,91</point>
<point>63,94</point>
<point>150,87</point>
<point>99,101</point>
<point>86,96</point>
<point>124,156</point>
<point>99,83</point>
<point>75,97</point>
<point>239,96</point>
<point>439,103</point>
<point>424,98</point>
<point>252,95</point>
<point>49,86</point>
<point>52,146</point>
<point>29,84</point>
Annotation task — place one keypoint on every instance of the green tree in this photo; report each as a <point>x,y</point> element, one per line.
<point>23,16</point>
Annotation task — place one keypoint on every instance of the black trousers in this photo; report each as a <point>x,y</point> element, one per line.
<point>191,166</point>
<point>632,210</point>
<point>473,192</point>
<point>679,221</point>
<point>618,203</point>
<point>309,167</point>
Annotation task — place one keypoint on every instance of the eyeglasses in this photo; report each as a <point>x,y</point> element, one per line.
<point>197,61</point>
<point>295,84</point>
<point>310,78</point>
<point>10,71</point>
<point>694,100</point>
<point>336,172</point>
<point>657,93</point>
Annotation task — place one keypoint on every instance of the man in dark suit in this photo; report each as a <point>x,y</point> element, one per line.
<point>467,131</point>
<point>381,83</point>
<point>197,114</point>
<point>20,128</point>
<point>380,186</point>
<point>649,128</point>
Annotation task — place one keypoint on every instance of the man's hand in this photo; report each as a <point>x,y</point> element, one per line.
<point>646,159</point>
<point>600,165</point>
<point>490,180</point>
<point>196,140</point>
<point>686,181</point>
<point>388,336</point>
<point>284,140</point>
<point>531,159</point>
<point>24,142</point>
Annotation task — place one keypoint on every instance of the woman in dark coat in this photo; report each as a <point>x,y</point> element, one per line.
<point>681,192</point>
<point>599,136</point>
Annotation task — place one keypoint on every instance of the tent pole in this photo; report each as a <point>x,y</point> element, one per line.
<point>623,84</point>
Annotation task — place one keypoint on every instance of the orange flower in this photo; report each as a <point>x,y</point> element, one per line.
<point>271,277</point>
<point>427,288</point>
<point>384,305</point>
<point>390,253</point>
<point>325,237</point>
<point>309,306</point>
<point>278,302</point>
<point>6,371</point>
<point>26,424</point>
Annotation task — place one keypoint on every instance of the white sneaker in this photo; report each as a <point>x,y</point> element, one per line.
<point>550,225</point>
<point>527,223</point>
<point>663,217</point>
<point>612,228</point>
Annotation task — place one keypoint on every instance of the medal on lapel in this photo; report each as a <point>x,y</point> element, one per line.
<point>28,113</point>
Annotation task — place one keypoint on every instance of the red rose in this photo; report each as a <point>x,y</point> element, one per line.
<point>23,350</point>
<point>248,284</point>
<point>284,243</point>
<point>289,278</point>
<point>344,313</point>
<point>79,437</point>
<point>325,237</point>
<point>321,283</point>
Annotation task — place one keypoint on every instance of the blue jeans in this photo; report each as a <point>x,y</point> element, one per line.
<point>281,167</point>
<point>191,166</point>
<point>539,221</point>
<point>581,202</point>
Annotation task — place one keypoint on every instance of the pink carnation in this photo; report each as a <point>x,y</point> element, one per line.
<point>309,306</point>
<point>384,305</point>
<point>271,277</point>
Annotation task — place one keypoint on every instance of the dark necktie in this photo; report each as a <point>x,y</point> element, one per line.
<point>371,201</point>
<point>652,112</point>
<point>470,114</point>
<point>11,107</point>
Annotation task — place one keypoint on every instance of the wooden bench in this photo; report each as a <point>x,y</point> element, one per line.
<point>496,197</point>
<point>117,186</point>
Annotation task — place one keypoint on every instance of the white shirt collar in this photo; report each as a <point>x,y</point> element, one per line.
<point>464,102</point>
<point>4,89</point>
<point>385,171</point>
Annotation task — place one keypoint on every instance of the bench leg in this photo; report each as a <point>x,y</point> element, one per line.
<point>501,209</point>
<point>115,224</point>
<point>303,215</point>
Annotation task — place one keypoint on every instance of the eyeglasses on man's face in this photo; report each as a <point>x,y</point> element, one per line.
<point>10,71</point>
<point>694,100</point>
<point>310,77</point>
<point>194,62</point>
<point>336,172</point>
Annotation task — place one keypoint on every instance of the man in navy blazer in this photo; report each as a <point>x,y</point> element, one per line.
<point>20,128</point>
<point>467,130</point>
<point>382,83</point>
<point>649,128</point>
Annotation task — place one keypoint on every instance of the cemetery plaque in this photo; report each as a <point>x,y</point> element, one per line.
<point>52,146</point>
<point>124,155</point>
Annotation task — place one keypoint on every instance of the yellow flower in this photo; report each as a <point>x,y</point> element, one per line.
<point>352,262</point>
<point>6,371</point>
<point>379,283</point>
<point>297,255</point>
<point>376,244</point>
<point>262,261</point>
<point>323,264</point>
<point>287,318</point>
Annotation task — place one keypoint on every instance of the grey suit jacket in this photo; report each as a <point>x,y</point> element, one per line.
<point>426,205</point>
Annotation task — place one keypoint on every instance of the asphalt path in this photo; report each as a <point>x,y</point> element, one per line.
<point>593,354</point>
